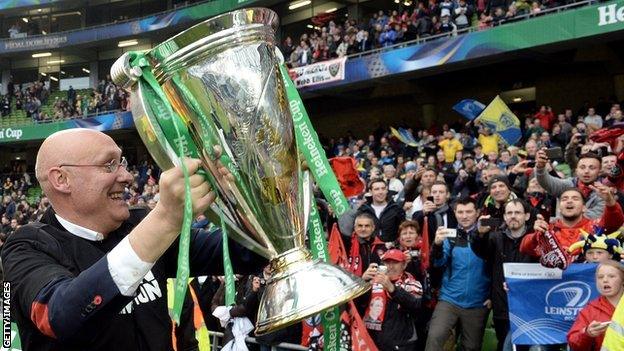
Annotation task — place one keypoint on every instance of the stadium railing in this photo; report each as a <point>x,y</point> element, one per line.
<point>472,29</point>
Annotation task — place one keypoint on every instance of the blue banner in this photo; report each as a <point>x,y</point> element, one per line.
<point>469,108</point>
<point>544,302</point>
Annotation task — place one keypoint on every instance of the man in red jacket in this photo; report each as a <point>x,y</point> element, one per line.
<point>566,229</point>
<point>546,117</point>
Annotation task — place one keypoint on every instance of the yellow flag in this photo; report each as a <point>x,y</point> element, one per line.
<point>499,118</point>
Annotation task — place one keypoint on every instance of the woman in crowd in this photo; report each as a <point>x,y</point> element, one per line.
<point>591,323</point>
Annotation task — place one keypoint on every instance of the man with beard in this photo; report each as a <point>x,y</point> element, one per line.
<point>587,172</point>
<point>498,247</point>
<point>567,229</point>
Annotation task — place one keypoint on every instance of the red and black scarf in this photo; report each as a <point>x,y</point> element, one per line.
<point>355,258</point>
<point>376,310</point>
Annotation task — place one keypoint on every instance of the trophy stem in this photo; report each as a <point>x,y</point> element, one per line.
<point>301,287</point>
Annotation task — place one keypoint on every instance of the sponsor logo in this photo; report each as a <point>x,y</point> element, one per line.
<point>610,14</point>
<point>10,133</point>
<point>567,299</point>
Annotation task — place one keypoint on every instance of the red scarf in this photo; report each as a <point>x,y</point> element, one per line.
<point>584,188</point>
<point>424,249</point>
<point>376,310</point>
<point>355,259</point>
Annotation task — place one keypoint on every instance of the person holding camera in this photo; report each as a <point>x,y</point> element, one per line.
<point>464,296</point>
<point>394,301</point>
<point>587,172</point>
<point>436,209</point>
<point>497,246</point>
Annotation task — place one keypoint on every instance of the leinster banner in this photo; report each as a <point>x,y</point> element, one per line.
<point>544,302</point>
<point>319,73</point>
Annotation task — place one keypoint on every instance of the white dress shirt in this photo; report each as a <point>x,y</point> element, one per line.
<point>124,265</point>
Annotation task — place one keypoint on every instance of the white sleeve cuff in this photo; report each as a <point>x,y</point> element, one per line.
<point>126,268</point>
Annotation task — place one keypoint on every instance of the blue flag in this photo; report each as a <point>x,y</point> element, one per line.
<point>469,108</point>
<point>544,302</point>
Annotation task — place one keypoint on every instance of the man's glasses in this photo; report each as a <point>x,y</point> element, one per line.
<point>110,167</point>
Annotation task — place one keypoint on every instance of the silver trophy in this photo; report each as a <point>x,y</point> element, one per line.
<point>222,78</point>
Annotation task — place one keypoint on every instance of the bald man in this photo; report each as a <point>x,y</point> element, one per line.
<point>91,275</point>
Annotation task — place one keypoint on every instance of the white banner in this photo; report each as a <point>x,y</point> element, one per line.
<point>319,73</point>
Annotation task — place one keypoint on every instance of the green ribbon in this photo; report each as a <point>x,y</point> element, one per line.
<point>177,134</point>
<point>308,143</point>
<point>230,290</point>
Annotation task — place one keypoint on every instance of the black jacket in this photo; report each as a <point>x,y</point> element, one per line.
<point>65,279</point>
<point>497,248</point>
<point>398,331</point>
<point>434,220</point>
<point>387,225</point>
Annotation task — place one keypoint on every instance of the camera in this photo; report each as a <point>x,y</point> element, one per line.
<point>583,138</point>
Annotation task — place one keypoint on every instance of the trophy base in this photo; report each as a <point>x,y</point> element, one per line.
<point>302,287</point>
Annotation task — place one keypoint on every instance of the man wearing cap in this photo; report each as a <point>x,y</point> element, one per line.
<point>499,192</point>
<point>394,301</point>
<point>464,296</point>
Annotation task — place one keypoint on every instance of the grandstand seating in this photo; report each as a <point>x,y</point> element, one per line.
<point>19,118</point>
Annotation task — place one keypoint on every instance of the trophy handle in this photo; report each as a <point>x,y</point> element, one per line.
<point>162,151</point>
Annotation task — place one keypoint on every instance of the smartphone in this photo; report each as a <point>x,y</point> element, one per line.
<point>430,198</point>
<point>451,233</point>
<point>583,139</point>
<point>554,153</point>
<point>490,222</point>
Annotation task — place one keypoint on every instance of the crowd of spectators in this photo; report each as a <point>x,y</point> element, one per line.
<point>335,37</point>
<point>442,189</point>
<point>30,97</point>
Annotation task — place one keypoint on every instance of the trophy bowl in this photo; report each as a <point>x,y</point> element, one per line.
<point>223,81</point>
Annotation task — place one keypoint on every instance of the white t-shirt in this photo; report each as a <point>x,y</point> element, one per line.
<point>378,209</point>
